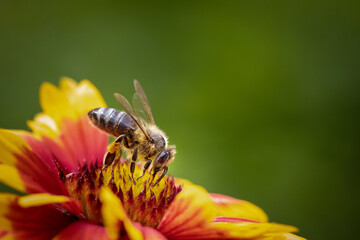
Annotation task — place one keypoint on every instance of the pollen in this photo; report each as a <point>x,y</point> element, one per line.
<point>143,202</point>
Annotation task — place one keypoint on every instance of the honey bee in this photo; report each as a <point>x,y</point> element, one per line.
<point>139,137</point>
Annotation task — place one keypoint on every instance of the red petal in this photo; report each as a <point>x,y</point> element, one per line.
<point>149,233</point>
<point>83,230</point>
<point>33,169</point>
<point>38,169</point>
<point>192,215</point>
<point>3,233</point>
<point>42,167</point>
<point>79,143</point>
<point>38,223</point>
<point>189,216</point>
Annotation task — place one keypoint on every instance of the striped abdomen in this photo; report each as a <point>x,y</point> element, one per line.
<point>112,121</point>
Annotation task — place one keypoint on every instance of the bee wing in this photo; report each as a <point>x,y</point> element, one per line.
<point>129,109</point>
<point>145,102</point>
<point>139,109</point>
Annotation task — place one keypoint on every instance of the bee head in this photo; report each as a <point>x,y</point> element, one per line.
<point>164,158</point>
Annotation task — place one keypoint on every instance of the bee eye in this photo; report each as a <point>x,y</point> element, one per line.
<point>163,157</point>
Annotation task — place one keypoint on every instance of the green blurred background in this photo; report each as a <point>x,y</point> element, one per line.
<point>261,98</point>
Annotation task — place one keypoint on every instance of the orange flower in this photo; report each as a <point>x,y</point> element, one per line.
<point>58,166</point>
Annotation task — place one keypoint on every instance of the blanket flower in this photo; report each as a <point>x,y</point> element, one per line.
<point>64,193</point>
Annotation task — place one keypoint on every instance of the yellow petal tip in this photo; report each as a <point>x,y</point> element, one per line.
<point>39,199</point>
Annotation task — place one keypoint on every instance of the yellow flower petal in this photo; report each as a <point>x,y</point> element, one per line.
<point>70,100</point>
<point>43,124</point>
<point>113,213</point>
<point>19,132</point>
<point>10,176</point>
<point>192,209</point>
<point>67,84</point>
<point>6,199</point>
<point>199,197</point>
<point>54,103</point>
<point>243,229</point>
<point>277,227</point>
<point>34,200</point>
<point>231,207</point>
<point>10,144</point>
<point>280,236</point>
<point>84,96</point>
<point>255,229</point>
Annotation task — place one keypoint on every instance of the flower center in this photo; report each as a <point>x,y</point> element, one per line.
<point>143,202</point>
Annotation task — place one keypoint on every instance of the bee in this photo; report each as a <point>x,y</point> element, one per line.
<point>139,137</point>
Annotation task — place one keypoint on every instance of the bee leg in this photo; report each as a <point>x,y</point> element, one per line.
<point>111,154</point>
<point>146,166</point>
<point>123,139</point>
<point>117,157</point>
<point>133,160</point>
<point>156,170</point>
<point>109,158</point>
<point>162,175</point>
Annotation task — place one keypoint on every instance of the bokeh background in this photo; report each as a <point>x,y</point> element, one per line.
<point>260,97</point>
